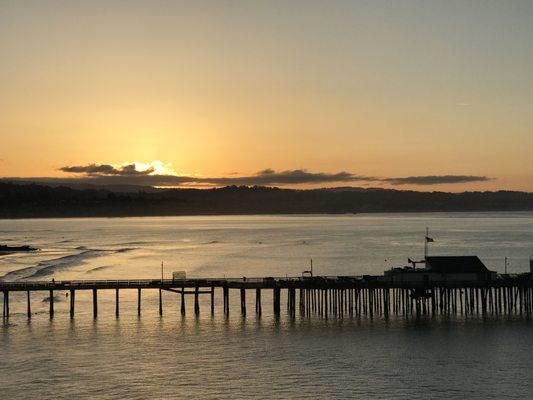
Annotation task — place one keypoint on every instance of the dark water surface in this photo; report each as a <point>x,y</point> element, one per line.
<point>251,357</point>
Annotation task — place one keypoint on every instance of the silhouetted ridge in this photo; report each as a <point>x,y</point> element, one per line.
<point>33,200</point>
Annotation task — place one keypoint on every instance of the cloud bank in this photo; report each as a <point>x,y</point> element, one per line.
<point>158,174</point>
<point>288,177</point>
<point>130,174</point>
<point>436,179</point>
<point>106,170</point>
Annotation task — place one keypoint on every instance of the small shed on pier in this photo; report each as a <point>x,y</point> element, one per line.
<point>456,265</point>
<point>443,269</point>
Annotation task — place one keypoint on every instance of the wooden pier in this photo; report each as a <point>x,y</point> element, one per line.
<point>327,297</point>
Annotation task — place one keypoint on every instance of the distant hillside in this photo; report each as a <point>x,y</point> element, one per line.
<point>32,200</point>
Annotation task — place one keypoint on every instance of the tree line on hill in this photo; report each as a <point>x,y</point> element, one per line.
<point>36,200</point>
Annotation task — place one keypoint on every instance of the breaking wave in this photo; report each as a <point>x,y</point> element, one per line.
<point>212,242</point>
<point>50,267</point>
<point>104,267</point>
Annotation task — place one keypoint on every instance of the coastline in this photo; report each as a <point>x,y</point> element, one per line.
<point>281,214</point>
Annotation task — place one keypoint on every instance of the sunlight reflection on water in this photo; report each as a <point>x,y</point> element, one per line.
<point>215,357</point>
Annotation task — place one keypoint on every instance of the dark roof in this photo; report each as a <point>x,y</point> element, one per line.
<point>453,265</point>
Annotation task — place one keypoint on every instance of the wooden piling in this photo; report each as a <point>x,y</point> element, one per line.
<point>433,306</point>
<point>28,303</point>
<point>51,304</point>
<point>325,305</point>
<point>243,301</point>
<point>258,308</point>
<point>350,302</point>
<point>160,302</point>
<point>212,300</point>
<point>117,307</point>
<point>196,303</point>
<point>72,302</point>
<point>95,303</point>
<point>276,301</point>
<point>386,303</point>
<point>5,312</point>
<point>301,301</point>
<point>139,302</point>
<point>183,301</point>
<point>292,302</point>
<point>225,292</point>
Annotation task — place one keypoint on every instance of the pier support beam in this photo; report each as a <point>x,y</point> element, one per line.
<point>51,304</point>
<point>385,297</point>
<point>117,309</point>
<point>196,303</point>
<point>183,301</point>
<point>243,301</point>
<point>276,297</point>
<point>139,302</point>
<point>302,302</point>
<point>226,299</point>
<point>95,303</point>
<point>212,300</point>
<point>72,302</point>
<point>5,312</point>
<point>291,294</point>
<point>29,303</point>
<point>258,308</point>
<point>326,303</point>
<point>160,302</point>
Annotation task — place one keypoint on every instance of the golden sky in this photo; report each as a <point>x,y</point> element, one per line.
<point>229,88</point>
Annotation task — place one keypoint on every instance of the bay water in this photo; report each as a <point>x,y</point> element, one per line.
<point>255,357</point>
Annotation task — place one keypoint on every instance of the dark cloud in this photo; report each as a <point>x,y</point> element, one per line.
<point>131,169</point>
<point>130,175</point>
<point>435,179</point>
<point>294,177</point>
<point>104,174</point>
<point>90,169</point>
<point>106,169</point>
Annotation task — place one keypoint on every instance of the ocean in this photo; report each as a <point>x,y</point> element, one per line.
<point>214,357</point>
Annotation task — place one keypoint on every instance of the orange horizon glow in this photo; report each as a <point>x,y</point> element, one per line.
<point>229,89</point>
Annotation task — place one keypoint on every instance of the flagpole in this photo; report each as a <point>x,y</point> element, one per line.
<point>426,243</point>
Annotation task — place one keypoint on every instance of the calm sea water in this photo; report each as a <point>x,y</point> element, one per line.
<point>215,357</point>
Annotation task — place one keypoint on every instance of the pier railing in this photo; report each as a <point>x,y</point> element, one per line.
<point>283,282</point>
<point>103,283</point>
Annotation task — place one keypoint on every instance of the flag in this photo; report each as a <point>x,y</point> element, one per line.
<point>429,240</point>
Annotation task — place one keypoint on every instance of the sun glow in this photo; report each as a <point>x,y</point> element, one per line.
<point>158,167</point>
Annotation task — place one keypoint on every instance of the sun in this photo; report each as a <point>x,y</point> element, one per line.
<point>158,167</point>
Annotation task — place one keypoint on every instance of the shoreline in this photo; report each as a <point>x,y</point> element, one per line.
<point>295,214</point>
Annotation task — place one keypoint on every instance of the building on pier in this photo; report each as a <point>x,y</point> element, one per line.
<point>443,269</point>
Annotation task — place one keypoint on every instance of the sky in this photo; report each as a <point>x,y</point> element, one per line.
<point>424,95</point>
